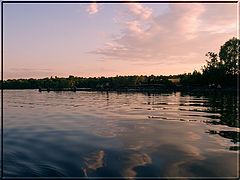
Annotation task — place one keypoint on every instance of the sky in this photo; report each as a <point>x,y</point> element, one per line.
<point>87,40</point>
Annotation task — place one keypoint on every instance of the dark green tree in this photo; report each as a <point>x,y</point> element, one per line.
<point>229,56</point>
<point>223,68</point>
<point>214,71</point>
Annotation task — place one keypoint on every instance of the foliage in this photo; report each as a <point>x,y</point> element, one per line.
<point>222,69</point>
<point>118,82</point>
<point>229,56</point>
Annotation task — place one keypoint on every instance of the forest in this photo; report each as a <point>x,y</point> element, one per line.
<point>221,71</point>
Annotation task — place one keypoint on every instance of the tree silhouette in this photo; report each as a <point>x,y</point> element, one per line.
<point>229,56</point>
<point>221,68</point>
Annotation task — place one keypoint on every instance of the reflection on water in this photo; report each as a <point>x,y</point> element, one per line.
<point>94,161</point>
<point>97,134</point>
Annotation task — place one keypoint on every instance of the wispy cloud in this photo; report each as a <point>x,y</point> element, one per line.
<point>140,11</point>
<point>20,69</point>
<point>22,72</point>
<point>188,18</point>
<point>93,8</point>
<point>134,26</point>
<point>182,35</point>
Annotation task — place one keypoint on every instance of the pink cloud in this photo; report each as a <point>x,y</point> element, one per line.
<point>181,36</point>
<point>92,8</point>
<point>188,18</point>
<point>134,26</point>
<point>140,11</point>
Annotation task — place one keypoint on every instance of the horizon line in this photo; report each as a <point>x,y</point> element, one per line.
<point>97,76</point>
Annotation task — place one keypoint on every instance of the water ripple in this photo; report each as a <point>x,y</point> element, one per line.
<point>94,134</point>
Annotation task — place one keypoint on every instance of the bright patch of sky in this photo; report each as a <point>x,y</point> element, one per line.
<point>112,39</point>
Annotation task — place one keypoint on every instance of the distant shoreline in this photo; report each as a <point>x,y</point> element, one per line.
<point>151,90</point>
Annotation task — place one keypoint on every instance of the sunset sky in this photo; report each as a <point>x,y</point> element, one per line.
<point>89,40</point>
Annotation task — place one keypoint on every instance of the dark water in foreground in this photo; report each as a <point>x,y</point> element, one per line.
<point>96,134</point>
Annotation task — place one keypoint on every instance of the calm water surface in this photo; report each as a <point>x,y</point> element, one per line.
<point>97,134</point>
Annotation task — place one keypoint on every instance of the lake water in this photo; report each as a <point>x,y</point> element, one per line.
<point>97,134</point>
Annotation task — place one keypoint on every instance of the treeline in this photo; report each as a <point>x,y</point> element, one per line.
<point>222,70</point>
<point>94,82</point>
